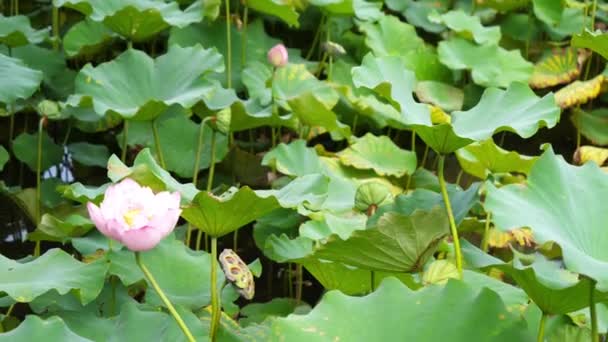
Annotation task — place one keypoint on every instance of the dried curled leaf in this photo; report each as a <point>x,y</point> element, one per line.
<point>500,239</point>
<point>584,154</point>
<point>560,67</point>
<point>579,92</point>
<point>238,273</point>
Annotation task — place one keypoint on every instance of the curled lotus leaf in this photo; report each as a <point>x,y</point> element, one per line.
<point>371,195</point>
<point>559,67</point>
<point>17,31</point>
<point>238,273</point>
<point>579,92</point>
<point>469,26</point>
<point>593,125</point>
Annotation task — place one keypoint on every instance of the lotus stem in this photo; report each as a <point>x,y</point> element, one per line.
<point>355,121</point>
<point>299,283</point>
<point>125,135</point>
<point>197,162</point>
<point>228,47</point>
<point>235,240</point>
<point>486,233</point>
<point>212,163</point>
<point>159,150</point>
<point>448,208</point>
<point>541,328</point>
<point>244,35</point>
<point>289,280</point>
<point>55,18</point>
<point>459,177</point>
<point>315,40</point>
<point>215,298</point>
<point>424,156</point>
<point>164,298</point>
<point>595,337</point>
<point>11,127</point>
<point>38,180</point>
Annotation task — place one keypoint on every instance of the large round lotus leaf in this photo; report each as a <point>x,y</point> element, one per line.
<point>561,203</point>
<point>380,316</point>
<point>34,328</point>
<point>558,67</point>
<point>54,270</point>
<point>214,34</point>
<point>552,288</point>
<point>579,92</point>
<point>251,114</point>
<point>417,13</point>
<point>277,307</point>
<point>4,157</point>
<point>134,324</point>
<point>442,95</point>
<point>89,154</point>
<point>593,125</point>
<point>138,87</point>
<point>503,5</point>
<point>220,215</point>
<point>548,11</point>
<point>398,243</point>
<point>286,11</point>
<point>136,20</point>
<point>16,31</point>
<point>516,109</point>
<point>470,27</point>
<point>25,148</point>
<point>86,37</point>
<point>483,158</point>
<point>596,41</point>
<point>491,65</point>
<point>379,154</point>
<point>17,81</point>
<point>362,9</point>
<point>294,159</point>
<point>572,22</point>
<point>388,77</point>
<point>316,110</point>
<point>147,172</point>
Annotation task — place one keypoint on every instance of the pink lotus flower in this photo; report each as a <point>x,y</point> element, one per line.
<point>134,216</point>
<point>278,55</point>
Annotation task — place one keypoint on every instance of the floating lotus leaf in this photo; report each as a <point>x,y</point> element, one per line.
<point>220,215</point>
<point>54,270</point>
<point>470,26</point>
<point>87,38</point>
<point>491,65</point>
<point>442,95</point>
<point>379,154</point>
<point>482,316</point>
<point>483,158</point>
<point>593,125</point>
<point>595,41</point>
<point>136,86</point>
<point>17,81</point>
<point>550,204</point>
<point>559,67</point>
<point>579,92</point>
<point>17,30</point>
<point>136,20</point>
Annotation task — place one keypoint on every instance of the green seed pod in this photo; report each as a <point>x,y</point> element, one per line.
<point>371,195</point>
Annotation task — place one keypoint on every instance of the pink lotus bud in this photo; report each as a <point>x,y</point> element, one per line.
<point>134,216</point>
<point>278,55</point>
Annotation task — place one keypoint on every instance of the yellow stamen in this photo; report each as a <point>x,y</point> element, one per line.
<point>130,216</point>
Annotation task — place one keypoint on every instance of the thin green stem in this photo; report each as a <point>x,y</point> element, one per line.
<point>38,180</point>
<point>244,35</point>
<point>197,162</point>
<point>595,337</point>
<point>593,13</point>
<point>460,173</point>
<point>11,127</point>
<point>164,298</point>
<point>299,283</point>
<point>235,241</point>
<point>199,238</point>
<point>55,19</point>
<point>159,150</point>
<point>212,163</point>
<point>10,310</point>
<point>448,208</point>
<point>355,122</point>
<point>125,135</point>
<point>215,298</point>
<point>228,46</point>
<point>289,280</point>
<point>315,40</point>
<point>541,328</point>
<point>424,156</point>
<point>486,232</point>
<point>129,44</point>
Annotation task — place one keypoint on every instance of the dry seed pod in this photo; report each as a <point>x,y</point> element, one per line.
<point>237,273</point>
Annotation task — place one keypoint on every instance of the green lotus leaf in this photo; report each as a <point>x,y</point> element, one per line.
<point>251,114</point>
<point>138,87</point>
<point>482,316</point>
<point>481,159</point>
<point>89,154</point>
<point>513,297</point>
<point>255,78</point>
<point>17,30</point>
<point>362,9</point>
<point>277,307</point>
<point>417,13</point>
<point>573,21</point>
<point>82,193</point>
<point>552,288</point>
<point>491,65</point>
<point>313,110</point>
<point>379,154</point>
<point>54,270</point>
<point>595,41</point>
<point>442,95</point>
<point>548,11</point>
<point>592,125</point>
<point>470,26</point>
<point>294,159</point>
<point>441,138</point>
<point>579,92</point>
<point>52,228</point>
<point>17,81</point>
<point>34,328</point>
<point>25,148</point>
<point>388,77</point>
<point>520,27</point>
<point>503,5</point>
<point>570,333</point>
<point>550,205</point>
<point>285,11</point>
<point>4,157</point>
<point>86,38</point>
<point>136,20</point>
<point>218,216</point>
<point>213,34</point>
<point>147,172</point>
<point>342,225</point>
<point>558,67</point>
<point>398,243</point>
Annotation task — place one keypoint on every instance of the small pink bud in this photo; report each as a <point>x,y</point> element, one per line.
<point>278,55</point>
